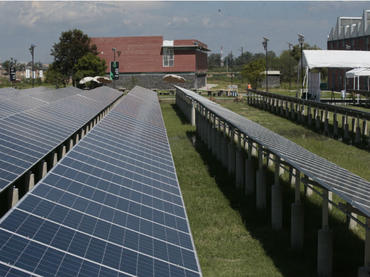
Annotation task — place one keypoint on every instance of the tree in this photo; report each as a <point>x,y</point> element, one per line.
<point>214,61</point>
<point>6,66</point>
<point>89,65</point>
<point>53,76</point>
<point>252,72</point>
<point>288,67</point>
<point>72,46</point>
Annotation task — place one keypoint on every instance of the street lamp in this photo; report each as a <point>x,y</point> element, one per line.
<point>264,43</point>
<point>301,41</point>
<point>32,51</point>
<point>290,45</point>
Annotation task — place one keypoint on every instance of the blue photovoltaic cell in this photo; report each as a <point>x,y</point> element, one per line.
<point>111,207</point>
<point>38,120</point>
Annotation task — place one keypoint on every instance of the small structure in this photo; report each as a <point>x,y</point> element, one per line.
<point>273,79</point>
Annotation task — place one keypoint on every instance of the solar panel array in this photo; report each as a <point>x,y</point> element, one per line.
<point>350,187</point>
<point>111,207</point>
<point>27,136</point>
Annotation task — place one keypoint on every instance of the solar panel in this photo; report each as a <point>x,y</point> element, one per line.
<point>350,187</point>
<point>26,137</point>
<point>111,207</point>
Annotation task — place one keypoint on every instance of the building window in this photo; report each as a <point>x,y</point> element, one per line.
<point>168,57</point>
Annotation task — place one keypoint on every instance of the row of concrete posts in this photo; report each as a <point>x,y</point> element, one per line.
<point>353,129</point>
<point>239,155</point>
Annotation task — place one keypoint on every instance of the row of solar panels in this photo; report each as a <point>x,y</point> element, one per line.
<point>111,207</point>
<point>350,187</point>
<point>34,122</point>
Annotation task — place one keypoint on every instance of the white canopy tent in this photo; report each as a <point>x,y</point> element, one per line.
<point>333,59</point>
<point>357,73</point>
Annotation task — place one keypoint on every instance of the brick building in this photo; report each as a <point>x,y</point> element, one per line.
<point>145,60</point>
<point>350,33</point>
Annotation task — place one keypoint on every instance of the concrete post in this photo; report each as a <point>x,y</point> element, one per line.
<point>231,153</point>
<point>30,181</point>
<point>364,131</point>
<point>192,113</point>
<point>276,199</point>
<point>335,126</point>
<point>358,132</point>
<point>239,170</point>
<point>326,122</point>
<point>82,133</point>
<point>13,196</point>
<point>351,223</point>
<point>62,151</point>
<point>43,169</point>
<point>308,191</point>
<point>325,242</point>
<point>346,136</point>
<point>260,181</point>
<point>318,121</point>
<point>309,116</point>
<point>225,157</point>
<point>250,173</point>
<point>71,143</point>
<point>364,271</point>
<point>54,159</point>
<point>297,217</point>
<point>292,177</point>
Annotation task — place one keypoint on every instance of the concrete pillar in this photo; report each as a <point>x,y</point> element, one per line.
<point>231,153</point>
<point>309,116</point>
<point>292,177</point>
<point>358,132</point>
<point>330,198</point>
<point>260,181</point>
<point>364,271</point>
<point>351,223</point>
<point>325,242</point>
<point>317,121</point>
<point>307,190</point>
<point>326,122</point>
<point>62,151</point>
<point>364,131</point>
<point>82,133</point>
<point>250,175</point>
<point>345,127</point>
<point>192,113</point>
<point>297,217</point>
<point>77,138</point>
<point>43,168</point>
<point>335,126</point>
<point>13,196</point>
<point>71,143</point>
<point>225,139</point>
<point>276,199</point>
<point>54,159</point>
<point>353,129</point>
<point>239,169</point>
<point>30,181</point>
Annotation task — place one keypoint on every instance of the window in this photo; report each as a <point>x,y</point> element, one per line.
<point>168,57</point>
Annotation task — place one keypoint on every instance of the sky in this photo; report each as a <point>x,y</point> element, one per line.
<point>232,25</point>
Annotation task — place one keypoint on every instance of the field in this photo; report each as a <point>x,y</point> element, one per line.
<point>232,238</point>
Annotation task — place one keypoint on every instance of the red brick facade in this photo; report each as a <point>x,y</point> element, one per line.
<point>145,54</point>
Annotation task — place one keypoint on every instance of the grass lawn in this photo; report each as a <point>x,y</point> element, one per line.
<point>232,238</point>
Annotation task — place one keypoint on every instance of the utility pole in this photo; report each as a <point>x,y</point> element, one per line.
<point>290,45</point>
<point>264,43</point>
<point>32,50</point>
<point>301,41</point>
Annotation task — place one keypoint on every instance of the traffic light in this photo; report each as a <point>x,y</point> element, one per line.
<point>114,70</point>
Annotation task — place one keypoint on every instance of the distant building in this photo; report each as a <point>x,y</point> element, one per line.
<point>145,60</point>
<point>350,33</point>
<point>273,79</point>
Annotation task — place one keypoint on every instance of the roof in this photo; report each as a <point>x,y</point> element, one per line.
<point>356,72</point>
<point>336,59</point>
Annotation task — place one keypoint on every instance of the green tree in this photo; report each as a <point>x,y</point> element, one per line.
<point>252,72</point>
<point>214,61</point>
<point>53,76</point>
<point>89,65</point>
<point>6,66</point>
<point>288,67</point>
<point>72,46</point>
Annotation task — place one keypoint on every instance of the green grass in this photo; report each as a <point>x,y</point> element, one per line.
<point>231,237</point>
